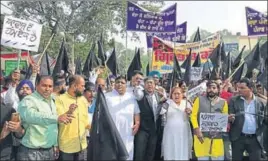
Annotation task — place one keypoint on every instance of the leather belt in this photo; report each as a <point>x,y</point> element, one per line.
<point>248,135</point>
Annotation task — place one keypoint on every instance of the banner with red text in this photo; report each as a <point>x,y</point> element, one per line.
<point>162,59</point>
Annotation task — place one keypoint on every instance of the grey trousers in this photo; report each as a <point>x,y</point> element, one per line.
<point>25,153</point>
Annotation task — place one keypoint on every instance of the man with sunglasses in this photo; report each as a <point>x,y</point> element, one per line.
<point>125,111</point>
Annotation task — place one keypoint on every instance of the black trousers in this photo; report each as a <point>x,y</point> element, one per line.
<point>250,144</point>
<point>144,146</point>
<point>79,156</point>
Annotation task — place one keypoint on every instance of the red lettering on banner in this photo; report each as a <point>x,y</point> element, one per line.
<point>159,55</point>
<point>166,57</point>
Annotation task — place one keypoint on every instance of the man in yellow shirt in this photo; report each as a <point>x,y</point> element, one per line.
<point>72,137</point>
<point>207,145</point>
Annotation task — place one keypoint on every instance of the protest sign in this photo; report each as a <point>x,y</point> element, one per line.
<point>21,34</point>
<point>163,52</point>
<point>179,36</point>
<point>196,73</point>
<point>196,91</point>
<point>213,122</point>
<point>139,19</point>
<point>256,22</point>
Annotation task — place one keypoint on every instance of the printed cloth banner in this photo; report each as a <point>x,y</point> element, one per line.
<point>179,36</point>
<point>21,34</point>
<point>256,22</point>
<point>139,19</point>
<point>163,52</point>
<point>229,47</point>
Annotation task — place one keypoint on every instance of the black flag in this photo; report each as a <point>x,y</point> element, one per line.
<point>176,72</point>
<point>238,74</point>
<point>105,141</point>
<point>187,74</point>
<point>91,62</point>
<point>147,69</point>
<point>197,36</point>
<point>253,59</point>
<point>112,63</point>
<point>215,56</point>
<point>186,61</point>
<point>78,66</point>
<point>206,71</point>
<point>227,69</point>
<point>263,50</point>
<point>238,59</point>
<point>29,72</point>
<point>62,62</point>
<point>197,61</point>
<point>215,74</point>
<point>101,54</point>
<point>45,66</point>
<point>134,65</point>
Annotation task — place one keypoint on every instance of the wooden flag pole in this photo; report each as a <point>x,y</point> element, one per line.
<point>49,41</point>
<point>236,70</point>
<point>19,57</point>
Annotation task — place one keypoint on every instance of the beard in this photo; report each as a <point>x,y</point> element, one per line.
<point>62,91</point>
<point>21,96</point>
<point>78,93</point>
<point>212,94</point>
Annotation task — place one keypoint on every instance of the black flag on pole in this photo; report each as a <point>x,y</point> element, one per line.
<point>176,72</point>
<point>105,141</point>
<point>112,63</point>
<point>197,61</point>
<point>197,36</point>
<point>238,59</point>
<point>91,62</point>
<point>62,62</point>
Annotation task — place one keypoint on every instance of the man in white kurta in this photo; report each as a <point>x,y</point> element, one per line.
<point>125,111</point>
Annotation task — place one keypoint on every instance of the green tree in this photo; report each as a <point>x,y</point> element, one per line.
<point>85,20</point>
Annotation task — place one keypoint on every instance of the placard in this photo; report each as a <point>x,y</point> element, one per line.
<point>196,73</point>
<point>21,34</point>
<point>213,122</point>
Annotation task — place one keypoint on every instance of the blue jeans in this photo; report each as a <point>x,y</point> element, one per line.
<point>211,158</point>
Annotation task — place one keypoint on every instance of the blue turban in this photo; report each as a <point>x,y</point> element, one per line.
<point>25,81</point>
<point>155,72</point>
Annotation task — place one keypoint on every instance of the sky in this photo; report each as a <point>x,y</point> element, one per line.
<point>208,15</point>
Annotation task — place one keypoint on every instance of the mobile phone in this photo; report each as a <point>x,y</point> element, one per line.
<point>15,117</point>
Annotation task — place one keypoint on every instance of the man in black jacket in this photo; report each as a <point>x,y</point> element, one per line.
<point>146,138</point>
<point>249,118</point>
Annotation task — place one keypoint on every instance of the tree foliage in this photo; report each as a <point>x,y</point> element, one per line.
<point>83,22</point>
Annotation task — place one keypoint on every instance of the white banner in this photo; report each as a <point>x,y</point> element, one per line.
<point>196,73</point>
<point>213,122</point>
<point>21,34</point>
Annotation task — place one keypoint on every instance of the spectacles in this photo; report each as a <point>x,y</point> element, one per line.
<point>118,82</point>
